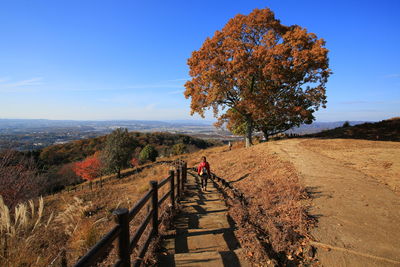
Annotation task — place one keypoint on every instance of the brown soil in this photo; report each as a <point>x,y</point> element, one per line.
<point>352,183</point>
<point>378,159</point>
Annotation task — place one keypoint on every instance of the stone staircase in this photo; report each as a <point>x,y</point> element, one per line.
<point>203,233</point>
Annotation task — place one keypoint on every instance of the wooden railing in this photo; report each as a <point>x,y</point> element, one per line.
<point>123,217</point>
<point>225,184</point>
<point>221,183</point>
<point>100,182</point>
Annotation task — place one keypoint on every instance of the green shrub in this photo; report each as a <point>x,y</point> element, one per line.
<point>179,149</point>
<point>148,153</point>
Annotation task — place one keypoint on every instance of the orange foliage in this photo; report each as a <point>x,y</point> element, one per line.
<point>89,168</point>
<point>258,67</point>
<point>134,162</point>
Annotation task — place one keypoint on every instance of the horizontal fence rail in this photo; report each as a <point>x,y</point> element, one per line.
<point>123,217</point>
<point>102,181</point>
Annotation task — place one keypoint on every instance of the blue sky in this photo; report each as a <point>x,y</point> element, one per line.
<point>107,60</point>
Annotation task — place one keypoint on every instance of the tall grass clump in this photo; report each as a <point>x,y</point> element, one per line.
<point>18,229</point>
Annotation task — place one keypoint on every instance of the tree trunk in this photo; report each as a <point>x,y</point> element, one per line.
<point>249,133</point>
<point>119,173</point>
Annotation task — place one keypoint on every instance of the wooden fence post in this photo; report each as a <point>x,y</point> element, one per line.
<point>178,181</point>
<point>121,218</point>
<point>154,186</point>
<point>171,174</point>
<point>185,171</point>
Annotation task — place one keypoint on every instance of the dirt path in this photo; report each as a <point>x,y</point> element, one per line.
<point>203,234</point>
<point>358,217</point>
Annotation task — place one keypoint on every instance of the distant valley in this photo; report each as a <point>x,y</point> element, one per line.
<point>31,134</point>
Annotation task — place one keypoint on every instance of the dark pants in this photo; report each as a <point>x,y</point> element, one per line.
<point>203,180</point>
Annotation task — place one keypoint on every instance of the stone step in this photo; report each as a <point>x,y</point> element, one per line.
<point>203,233</point>
<point>200,240</point>
<point>232,258</point>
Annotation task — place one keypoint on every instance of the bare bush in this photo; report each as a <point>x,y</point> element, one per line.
<point>18,178</point>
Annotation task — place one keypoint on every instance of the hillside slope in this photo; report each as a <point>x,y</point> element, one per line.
<point>354,187</point>
<point>386,130</point>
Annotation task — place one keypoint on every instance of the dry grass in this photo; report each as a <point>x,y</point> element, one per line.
<point>386,130</point>
<point>379,159</point>
<point>73,222</point>
<point>18,231</point>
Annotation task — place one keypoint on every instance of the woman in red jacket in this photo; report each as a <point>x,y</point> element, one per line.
<point>204,171</point>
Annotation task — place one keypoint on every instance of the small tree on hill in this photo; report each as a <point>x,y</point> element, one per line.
<point>148,153</point>
<point>89,168</point>
<point>260,69</point>
<point>346,124</point>
<point>118,150</point>
<point>179,149</point>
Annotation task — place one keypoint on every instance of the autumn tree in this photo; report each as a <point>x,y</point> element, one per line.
<point>118,150</point>
<point>261,72</point>
<point>89,168</point>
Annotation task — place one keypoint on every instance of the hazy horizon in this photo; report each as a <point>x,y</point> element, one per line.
<point>177,120</point>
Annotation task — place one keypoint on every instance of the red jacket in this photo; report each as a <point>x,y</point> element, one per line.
<point>203,164</point>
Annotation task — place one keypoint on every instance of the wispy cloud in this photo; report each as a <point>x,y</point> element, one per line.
<point>17,85</point>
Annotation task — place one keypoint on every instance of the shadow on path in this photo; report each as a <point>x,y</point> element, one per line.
<point>203,233</point>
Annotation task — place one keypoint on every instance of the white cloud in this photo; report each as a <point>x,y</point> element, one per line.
<point>29,82</point>
<point>18,85</point>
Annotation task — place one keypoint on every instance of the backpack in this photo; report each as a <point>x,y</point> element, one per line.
<point>203,171</point>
